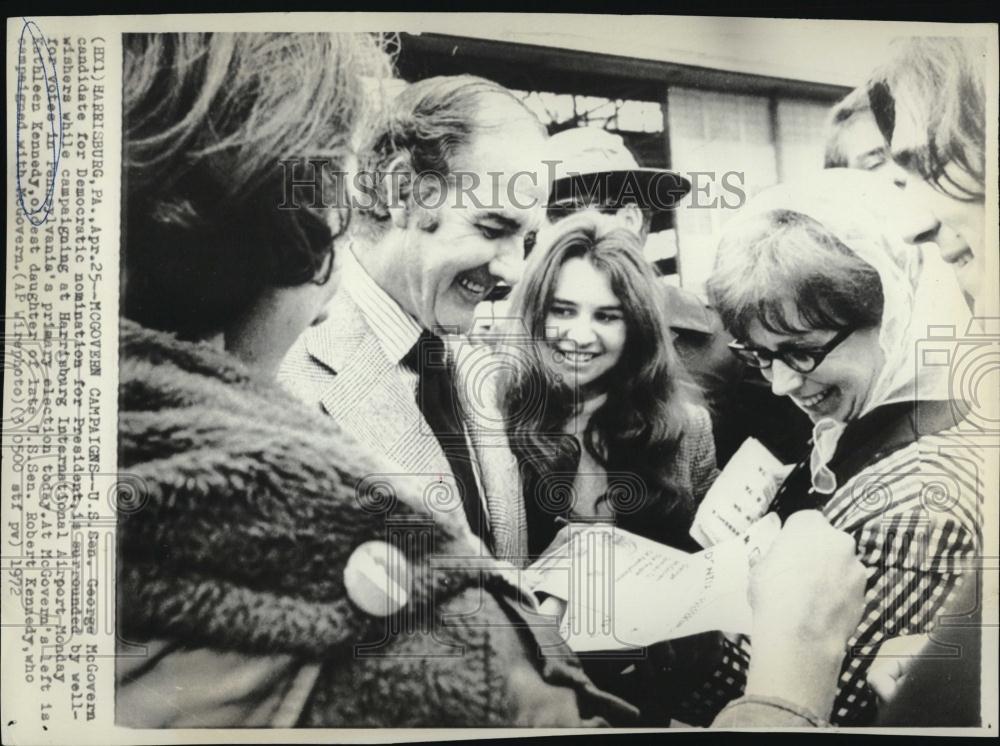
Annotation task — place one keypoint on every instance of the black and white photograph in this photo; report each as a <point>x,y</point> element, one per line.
<point>502,375</point>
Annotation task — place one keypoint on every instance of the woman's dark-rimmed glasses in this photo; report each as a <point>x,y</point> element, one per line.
<point>799,359</point>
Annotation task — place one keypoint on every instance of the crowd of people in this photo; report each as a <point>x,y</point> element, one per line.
<point>341,486</point>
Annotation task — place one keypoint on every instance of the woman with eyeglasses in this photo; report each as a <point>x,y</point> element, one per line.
<point>839,315</point>
<point>605,428</point>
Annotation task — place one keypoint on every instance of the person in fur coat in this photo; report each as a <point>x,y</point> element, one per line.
<point>271,572</point>
<point>249,508</point>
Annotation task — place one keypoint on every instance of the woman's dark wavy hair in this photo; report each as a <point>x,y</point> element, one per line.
<point>638,429</point>
<point>941,82</point>
<point>208,118</point>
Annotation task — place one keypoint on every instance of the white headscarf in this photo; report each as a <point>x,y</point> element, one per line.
<point>865,212</point>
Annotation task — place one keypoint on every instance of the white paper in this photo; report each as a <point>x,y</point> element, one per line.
<point>59,461</point>
<point>623,591</point>
<point>740,495</point>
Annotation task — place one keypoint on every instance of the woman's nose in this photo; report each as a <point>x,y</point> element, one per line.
<point>784,380</point>
<point>580,331</point>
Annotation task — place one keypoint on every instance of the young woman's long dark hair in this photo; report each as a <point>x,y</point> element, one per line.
<point>636,432</point>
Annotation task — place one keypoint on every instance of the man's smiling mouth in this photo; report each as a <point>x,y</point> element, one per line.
<point>476,282</point>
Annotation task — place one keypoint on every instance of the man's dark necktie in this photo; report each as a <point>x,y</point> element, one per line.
<point>438,402</point>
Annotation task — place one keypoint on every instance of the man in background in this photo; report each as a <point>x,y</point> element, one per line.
<point>930,105</point>
<point>853,139</point>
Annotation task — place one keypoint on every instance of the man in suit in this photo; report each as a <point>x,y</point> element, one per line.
<point>454,181</point>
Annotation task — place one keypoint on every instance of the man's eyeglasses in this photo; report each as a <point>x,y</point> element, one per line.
<point>801,360</point>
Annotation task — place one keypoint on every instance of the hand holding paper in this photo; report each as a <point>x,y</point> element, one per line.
<point>740,495</point>
<point>623,591</point>
<point>807,594</point>
<point>810,584</point>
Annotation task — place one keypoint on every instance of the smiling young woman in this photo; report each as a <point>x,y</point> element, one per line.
<point>605,424</point>
<point>617,417</point>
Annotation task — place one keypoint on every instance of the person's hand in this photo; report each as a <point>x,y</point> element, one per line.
<point>809,585</point>
<point>741,495</point>
<point>807,597</point>
<point>893,662</point>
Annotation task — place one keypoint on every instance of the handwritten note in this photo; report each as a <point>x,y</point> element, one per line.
<point>623,591</point>
<point>39,134</point>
